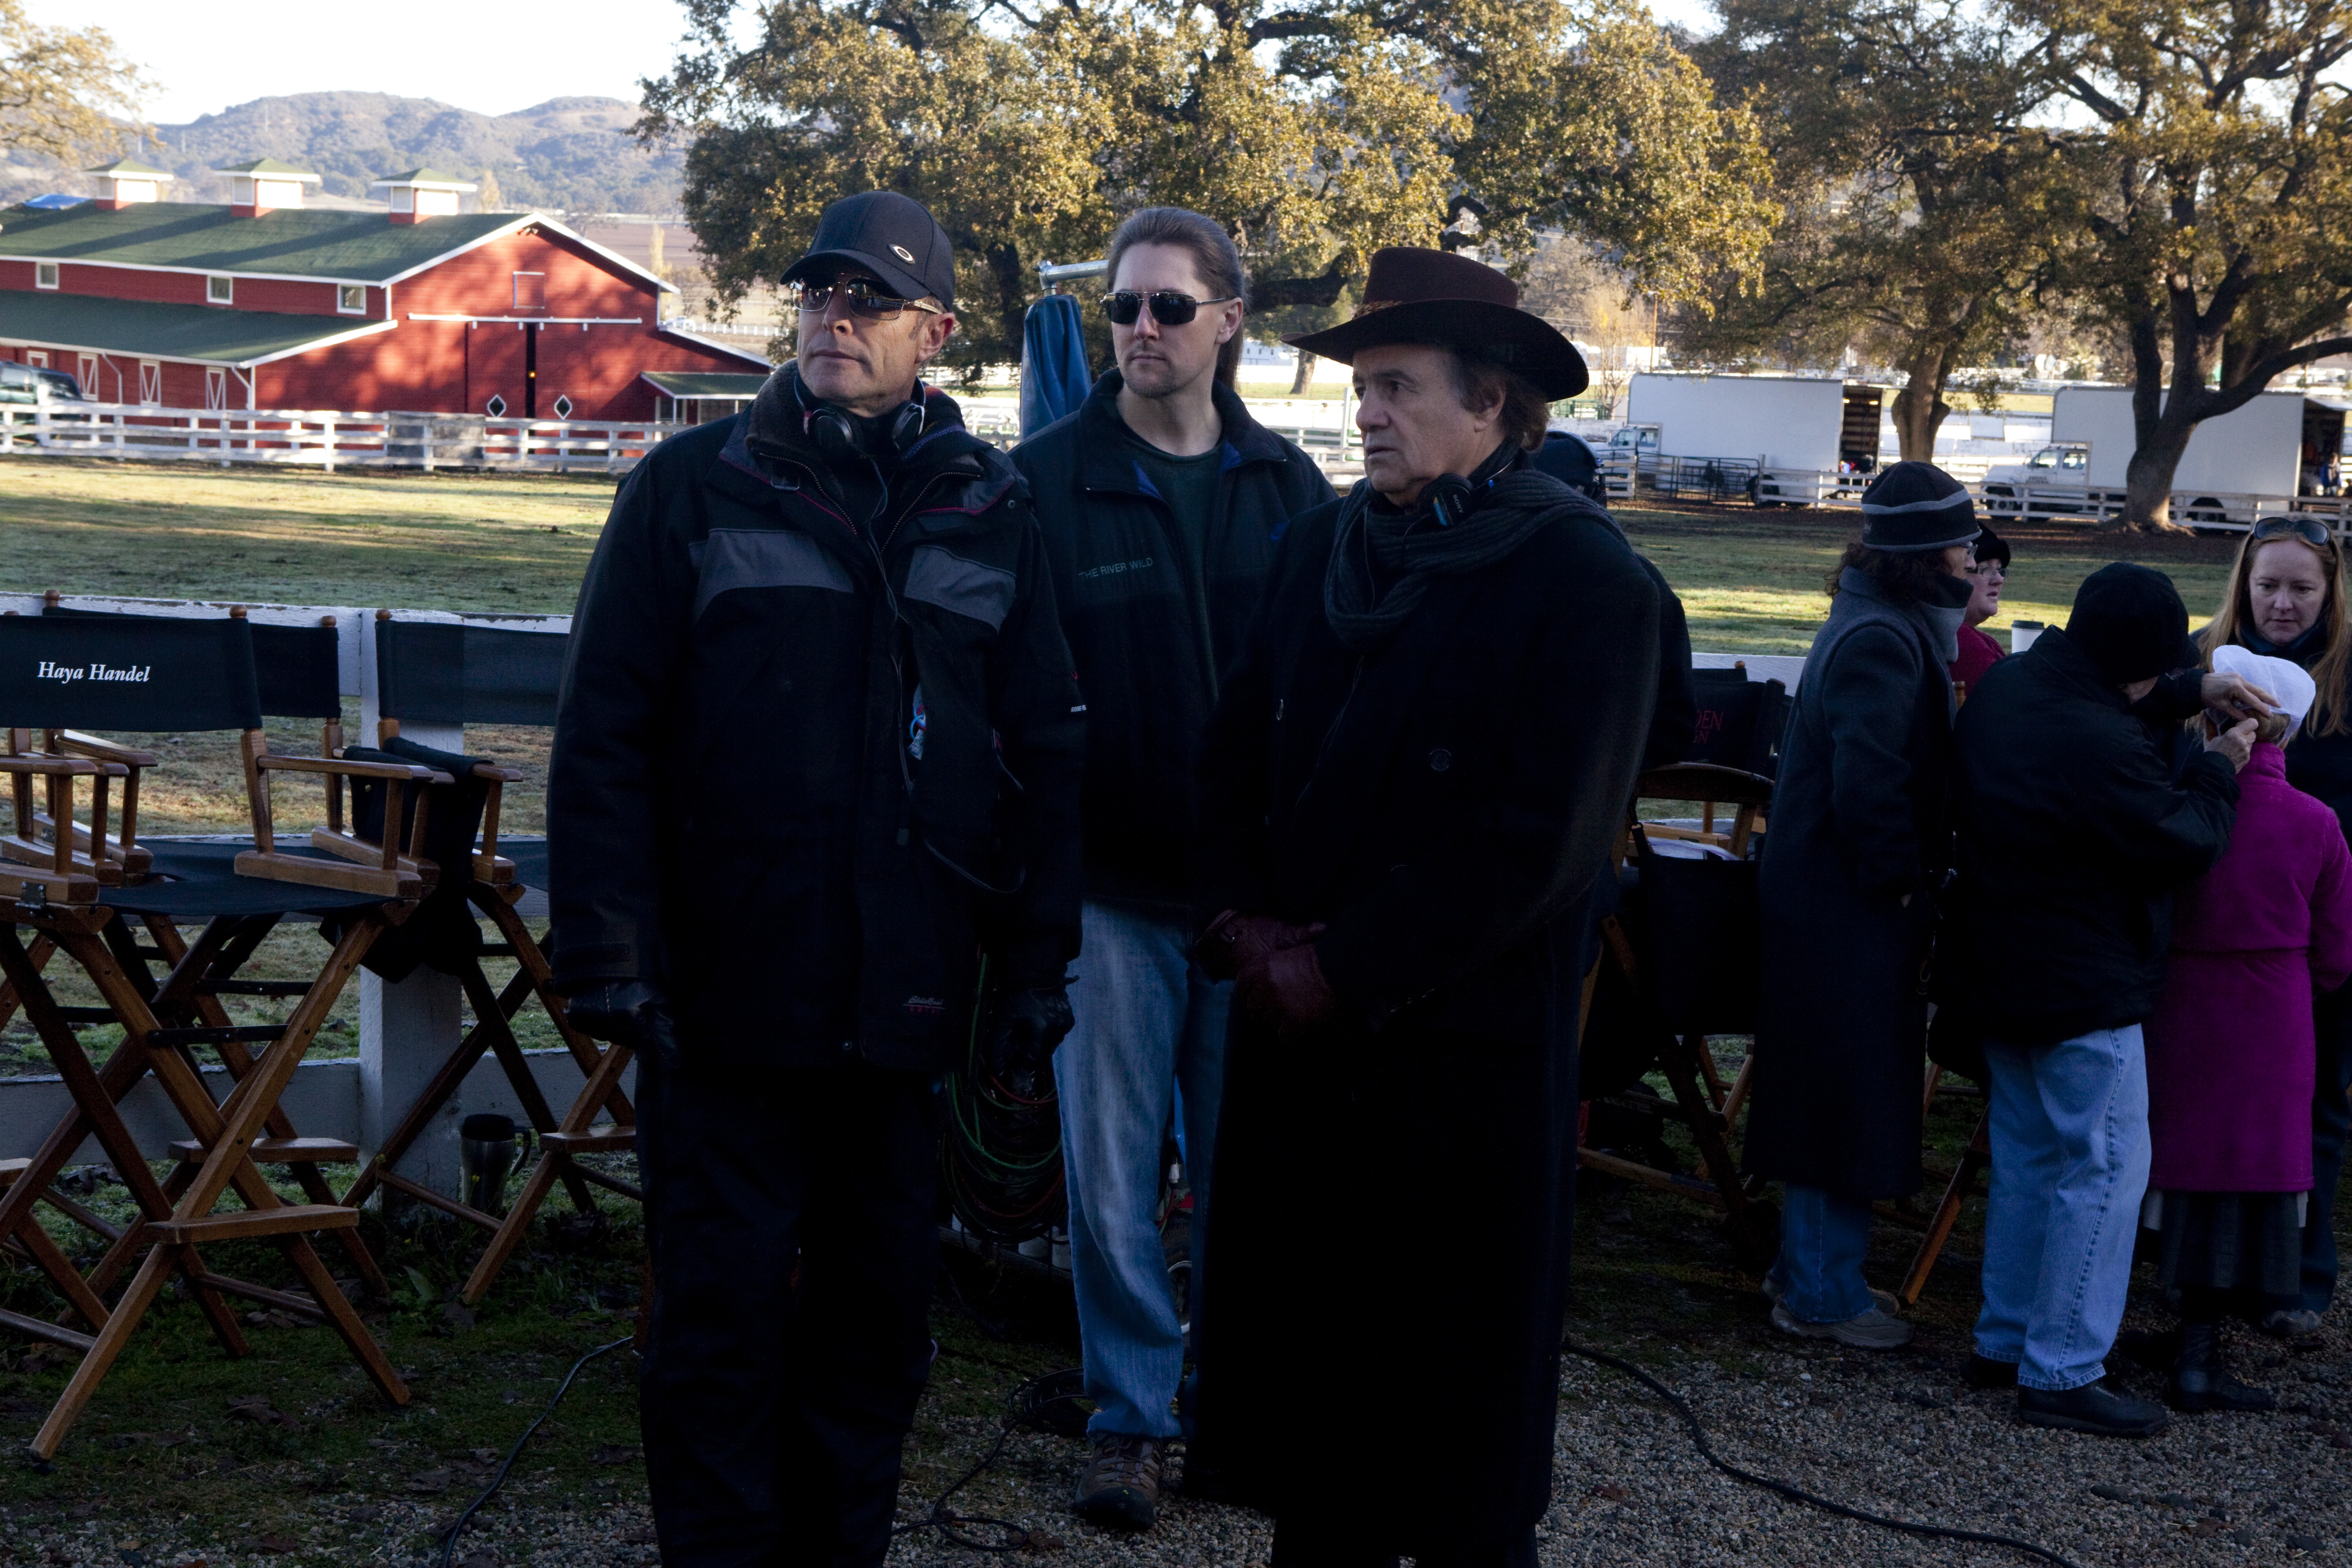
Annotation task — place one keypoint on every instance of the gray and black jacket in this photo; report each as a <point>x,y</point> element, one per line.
<point>808,765</point>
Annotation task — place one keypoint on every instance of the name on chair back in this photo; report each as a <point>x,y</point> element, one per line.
<point>135,673</point>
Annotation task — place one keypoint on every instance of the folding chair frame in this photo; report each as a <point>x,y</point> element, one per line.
<point>172,1227</point>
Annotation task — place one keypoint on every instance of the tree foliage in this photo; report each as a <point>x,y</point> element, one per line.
<point>2217,178</point>
<point>1317,133</point>
<point>1924,211</point>
<point>60,86</point>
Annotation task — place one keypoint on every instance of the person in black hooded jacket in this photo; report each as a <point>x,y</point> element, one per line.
<point>2073,836</point>
<point>817,748</point>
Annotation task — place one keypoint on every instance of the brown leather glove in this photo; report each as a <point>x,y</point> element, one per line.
<point>1284,992</point>
<point>1235,941</point>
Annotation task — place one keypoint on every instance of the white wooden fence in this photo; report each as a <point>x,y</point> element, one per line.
<point>331,440</point>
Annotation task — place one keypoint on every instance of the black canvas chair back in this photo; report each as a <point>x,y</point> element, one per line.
<point>294,668</point>
<point>129,672</point>
<point>62,675</point>
<point>1740,722</point>
<point>439,672</point>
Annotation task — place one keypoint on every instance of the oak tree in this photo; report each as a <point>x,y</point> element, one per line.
<point>63,91</point>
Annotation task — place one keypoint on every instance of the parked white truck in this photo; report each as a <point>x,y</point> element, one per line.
<point>1773,438</point>
<point>2261,457</point>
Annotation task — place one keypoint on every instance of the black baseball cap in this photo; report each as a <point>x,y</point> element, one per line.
<point>893,236</point>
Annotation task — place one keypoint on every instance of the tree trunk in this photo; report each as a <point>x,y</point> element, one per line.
<point>1306,377</point>
<point>1919,407</point>
<point>2148,479</point>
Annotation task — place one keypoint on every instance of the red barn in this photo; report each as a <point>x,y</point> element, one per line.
<point>264,304</point>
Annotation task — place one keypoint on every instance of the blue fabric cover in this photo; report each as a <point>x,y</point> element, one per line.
<point>1054,374</point>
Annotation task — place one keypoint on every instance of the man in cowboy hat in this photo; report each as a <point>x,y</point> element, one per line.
<point>1410,790</point>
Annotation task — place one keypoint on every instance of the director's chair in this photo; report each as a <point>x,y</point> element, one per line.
<point>1677,963</point>
<point>447,675</point>
<point>148,674</point>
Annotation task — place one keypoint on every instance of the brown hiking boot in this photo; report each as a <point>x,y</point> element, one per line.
<point>1120,1488</point>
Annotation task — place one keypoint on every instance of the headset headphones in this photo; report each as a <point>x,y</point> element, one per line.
<point>836,437</point>
<point>1450,498</point>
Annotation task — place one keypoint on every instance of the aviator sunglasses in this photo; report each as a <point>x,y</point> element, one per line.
<point>2309,529</point>
<point>865,300</point>
<point>1168,308</point>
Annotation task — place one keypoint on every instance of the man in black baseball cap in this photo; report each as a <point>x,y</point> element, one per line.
<point>818,753</point>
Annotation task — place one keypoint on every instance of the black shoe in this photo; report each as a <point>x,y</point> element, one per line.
<point>2201,1381</point>
<point>2099,1408</point>
<point>1120,1488</point>
<point>1985,1372</point>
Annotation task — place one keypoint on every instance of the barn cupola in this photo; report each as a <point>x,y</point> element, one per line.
<point>420,193</point>
<point>129,181</point>
<point>263,185</point>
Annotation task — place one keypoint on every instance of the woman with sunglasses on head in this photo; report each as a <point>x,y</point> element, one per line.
<point>2286,599</point>
<point>1160,501</point>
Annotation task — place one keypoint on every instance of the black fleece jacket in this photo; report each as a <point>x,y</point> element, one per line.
<point>1154,642</point>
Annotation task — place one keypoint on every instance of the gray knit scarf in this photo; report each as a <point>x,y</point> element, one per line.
<point>1518,502</point>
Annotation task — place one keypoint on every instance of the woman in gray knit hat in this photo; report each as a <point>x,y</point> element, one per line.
<point>1858,844</point>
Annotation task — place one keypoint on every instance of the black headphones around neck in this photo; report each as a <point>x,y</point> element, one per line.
<point>836,436</point>
<point>1450,498</point>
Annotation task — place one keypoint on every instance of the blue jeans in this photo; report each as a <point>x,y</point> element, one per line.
<point>1824,1239</point>
<point>1147,1020</point>
<point>2069,1154</point>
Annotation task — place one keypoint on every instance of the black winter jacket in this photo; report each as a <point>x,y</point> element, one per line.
<point>2072,840</point>
<point>1153,644</point>
<point>803,769</point>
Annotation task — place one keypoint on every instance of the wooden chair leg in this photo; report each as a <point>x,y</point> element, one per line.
<point>1737,1099</point>
<point>554,1161</point>
<point>1935,1080</point>
<point>1976,1159</point>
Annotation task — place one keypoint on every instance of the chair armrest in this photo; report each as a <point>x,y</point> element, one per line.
<point>496,774</point>
<point>351,769</point>
<point>21,763</point>
<point>76,743</point>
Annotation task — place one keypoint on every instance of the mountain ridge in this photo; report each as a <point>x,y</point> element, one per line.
<point>570,154</point>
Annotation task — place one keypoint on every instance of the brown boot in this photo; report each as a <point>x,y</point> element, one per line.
<point>1120,1488</point>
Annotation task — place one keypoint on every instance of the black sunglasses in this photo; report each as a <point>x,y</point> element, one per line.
<point>1168,308</point>
<point>865,300</point>
<point>2311,531</point>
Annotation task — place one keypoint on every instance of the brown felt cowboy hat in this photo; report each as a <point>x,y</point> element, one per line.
<point>1416,296</point>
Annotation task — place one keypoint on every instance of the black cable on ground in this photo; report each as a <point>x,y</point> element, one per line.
<point>450,1542</point>
<point>1031,1400</point>
<point>1796,1493</point>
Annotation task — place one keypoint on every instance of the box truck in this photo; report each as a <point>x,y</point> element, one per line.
<point>1773,438</point>
<point>2258,457</point>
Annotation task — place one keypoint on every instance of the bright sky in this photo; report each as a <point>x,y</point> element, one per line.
<point>492,59</point>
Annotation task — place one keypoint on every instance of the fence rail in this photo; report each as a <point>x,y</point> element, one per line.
<point>331,439</point>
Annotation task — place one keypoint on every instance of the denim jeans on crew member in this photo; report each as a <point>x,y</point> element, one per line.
<point>1147,1020</point>
<point>2070,1157</point>
<point>1824,1240</point>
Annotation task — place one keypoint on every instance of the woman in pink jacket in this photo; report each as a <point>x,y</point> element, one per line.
<point>2230,1051</point>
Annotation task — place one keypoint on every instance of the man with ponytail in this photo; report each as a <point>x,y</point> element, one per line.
<point>1161,501</point>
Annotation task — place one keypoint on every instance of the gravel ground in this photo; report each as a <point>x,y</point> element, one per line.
<point>1895,1433</point>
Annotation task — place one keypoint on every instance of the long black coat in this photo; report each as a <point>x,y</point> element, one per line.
<point>1858,822</point>
<point>1447,804</point>
<point>2072,838</point>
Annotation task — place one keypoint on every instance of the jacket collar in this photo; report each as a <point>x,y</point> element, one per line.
<point>2267,762</point>
<point>783,456</point>
<point>1104,463</point>
<point>2066,659</point>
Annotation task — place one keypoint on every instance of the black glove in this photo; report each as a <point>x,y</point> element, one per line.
<point>627,1013</point>
<point>1024,1028</point>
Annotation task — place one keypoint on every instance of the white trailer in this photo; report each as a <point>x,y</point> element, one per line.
<point>1774,438</point>
<point>2279,452</point>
